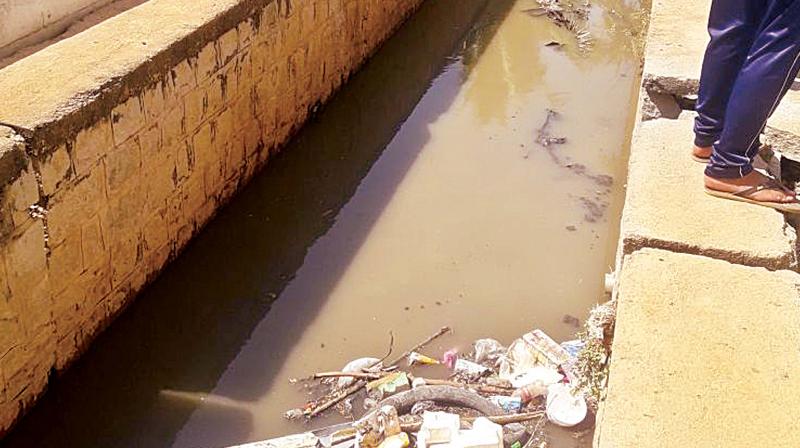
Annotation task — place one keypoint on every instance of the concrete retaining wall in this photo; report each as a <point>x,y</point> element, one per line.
<point>120,143</point>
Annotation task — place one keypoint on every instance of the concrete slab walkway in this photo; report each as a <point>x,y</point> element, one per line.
<point>705,350</point>
<point>667,208</point>
<point>705,355</point>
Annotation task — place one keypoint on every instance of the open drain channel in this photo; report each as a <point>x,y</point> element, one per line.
<point>418,197</point>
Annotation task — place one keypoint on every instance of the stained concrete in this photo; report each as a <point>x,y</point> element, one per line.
<point>676,52</point>
<point>667,208</point>
<point>705,355</point>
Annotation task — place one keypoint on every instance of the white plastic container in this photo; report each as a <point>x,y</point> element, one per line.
<point>438,427</point>
<point>564,408</point>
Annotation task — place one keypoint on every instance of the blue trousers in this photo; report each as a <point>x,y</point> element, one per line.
<point>750,63</point>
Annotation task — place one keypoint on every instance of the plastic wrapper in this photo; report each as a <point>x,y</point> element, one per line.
<point>377,426</point>
<point>390,384</point>
<point>357,365</point>
<point>419,359</point>
<point>509,404</point>
<point>488,351</point>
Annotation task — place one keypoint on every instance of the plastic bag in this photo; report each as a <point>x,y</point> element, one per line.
<point>488,350</point>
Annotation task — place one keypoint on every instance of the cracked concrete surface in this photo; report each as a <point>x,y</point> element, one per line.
<point>667,208</point>
<point>703,355</point>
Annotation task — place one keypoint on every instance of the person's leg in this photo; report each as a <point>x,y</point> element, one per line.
<point>765,76</point>
<point>732,26</point>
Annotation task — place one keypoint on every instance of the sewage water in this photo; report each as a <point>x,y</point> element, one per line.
<point>417,198</point>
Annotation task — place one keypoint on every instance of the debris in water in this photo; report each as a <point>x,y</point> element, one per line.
<point>564,406</point>
<point>484,434</point>
<point>418,358</point>
<point>316,407</point>
<point>293,414</point>
<point>545,349</point>
<point>509,404</point>
<point>554,43</point>
<point>566,14</point>
<point>345,408</point>
<point>449,358</point>
<point>594,209</point>
<point>591,366</point>
<point>535,12</point>
<point>358,365</point>
<point>377,426</point>
<point>438,427</point>
<point>543,137</point>
<point>396,441</point>
<point>571,320</point>
<point>469,368</point>
<point>519,388</point>
<point>488,351</point>
<point>422,406</point>
<point>389,384</point>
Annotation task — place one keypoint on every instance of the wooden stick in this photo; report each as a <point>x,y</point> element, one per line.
<point>442,331</point>
<point>336,396</point>
<point>359,375</point>
<point>485,388</point>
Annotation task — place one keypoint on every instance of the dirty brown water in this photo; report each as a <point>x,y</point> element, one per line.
<point>417,198</point>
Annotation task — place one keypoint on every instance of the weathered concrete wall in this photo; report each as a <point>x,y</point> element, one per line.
<point>25,21</point>
<point>148,124</point>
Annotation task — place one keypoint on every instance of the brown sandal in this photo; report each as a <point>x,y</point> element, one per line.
<point>697,158</point>
<point>741,196</point>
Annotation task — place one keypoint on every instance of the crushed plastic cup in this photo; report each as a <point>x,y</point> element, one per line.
<point>563,407</point>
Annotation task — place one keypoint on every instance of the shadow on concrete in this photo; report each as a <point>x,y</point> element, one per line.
<point>184,330</point>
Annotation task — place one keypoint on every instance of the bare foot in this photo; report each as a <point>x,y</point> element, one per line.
<point>701,152</point>
<point>753,179</point>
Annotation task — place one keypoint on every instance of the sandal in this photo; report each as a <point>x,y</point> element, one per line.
<point>697,158</point>
<point>741,196</point>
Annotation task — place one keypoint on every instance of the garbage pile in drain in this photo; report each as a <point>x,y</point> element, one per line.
<point>492,397</point>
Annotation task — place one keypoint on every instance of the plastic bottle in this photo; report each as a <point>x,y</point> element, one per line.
<point>528,393</point>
